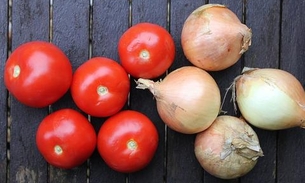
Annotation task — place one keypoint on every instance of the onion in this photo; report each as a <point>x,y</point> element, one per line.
<point>213,38</point>
<point>228,149</point>
<point>270,99</point>
<point>188,99</point>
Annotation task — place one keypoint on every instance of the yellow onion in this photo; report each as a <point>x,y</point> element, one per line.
<point>188,99</point>
<point>270,99</point>
<point>213,38</point>
<point>228,149</point>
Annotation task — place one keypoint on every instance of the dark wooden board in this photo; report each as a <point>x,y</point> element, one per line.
<point>181,161</point>
<point>225,77</point>
<point>70,32</point>
<point>109,21</point>
<point>291,142</point>
<point>30,22</point>
<point>3,93</point>
<point>143,101</point>
<point>264,53</point>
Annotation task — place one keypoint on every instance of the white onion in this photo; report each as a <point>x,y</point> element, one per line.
<point>188,99</point>
<point>270,99</point>
<point>213,38</point>
<point>228,149</point>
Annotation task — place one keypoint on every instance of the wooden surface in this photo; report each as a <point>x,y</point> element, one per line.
<point>84,30</point>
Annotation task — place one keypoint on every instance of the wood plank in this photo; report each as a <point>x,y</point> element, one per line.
<point>264,52</point>
<point>291,142</point>
<point>225,77</point>
<point>30,22</point>
<point>110,20</point>
<point>70,33</point>
<point>142,101</point>
<point>182,165</point>
<point>3,92</point>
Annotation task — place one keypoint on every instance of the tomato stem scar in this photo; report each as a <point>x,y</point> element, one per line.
<point>58,150</point>
<point>132,144</point>
<point>144,54</point>
<point>16,71</point>
<point>102,90</point>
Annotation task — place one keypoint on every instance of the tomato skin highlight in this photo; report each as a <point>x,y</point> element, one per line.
<point>146,50</point>
<point>100,87</point>
<point>37,73</point>
<point>66,139</point>
<point>127,141</point>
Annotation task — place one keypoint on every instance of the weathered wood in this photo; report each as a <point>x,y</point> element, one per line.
<point>70,32</point>
<point>291,142</point>
<point>142,101</point>
<point>30,22</point>
<point>110,20</point>
<point>225,77</point>
<point>3,92</point>
<point>182,165</point>
<point>263,53</point>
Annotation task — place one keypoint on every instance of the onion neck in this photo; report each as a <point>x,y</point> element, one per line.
<point>146,84</point>
<point>243,146</point>
<point>247,36</point>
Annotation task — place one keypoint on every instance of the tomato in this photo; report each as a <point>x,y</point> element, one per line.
<point>127,141</point>
<point>37,73</point>
<point>146,50</point>
<point>100,87</point>
<point>66,139</point>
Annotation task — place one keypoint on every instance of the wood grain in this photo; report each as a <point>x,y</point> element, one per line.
<point>29,22</point>
<point>142,100</point>
<point>109,21</point>
<point>292,52</point>
<point>70,32</point>
<point>264,53</point>
<point>182,165</point>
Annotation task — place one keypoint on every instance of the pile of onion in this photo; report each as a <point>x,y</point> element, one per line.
<point>228,149</point>
<point>188,99</point>
<point>270,99</point>
<point>213,38</point>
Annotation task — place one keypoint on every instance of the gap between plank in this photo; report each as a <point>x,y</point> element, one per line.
<point>8,112</point>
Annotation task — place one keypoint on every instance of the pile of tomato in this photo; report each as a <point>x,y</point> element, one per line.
<point>38,73</point>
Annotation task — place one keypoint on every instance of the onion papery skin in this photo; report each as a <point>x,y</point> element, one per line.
<point>188,99</point>
<point>228,149</point>
<point>271,99</point>
<point>213,38</point>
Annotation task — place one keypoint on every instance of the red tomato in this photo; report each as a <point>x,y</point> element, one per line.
<point>66,139</point>
<point>100,87</point>
<point>146,50</point>
<point>38,73</point>
<point>127,141</point>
